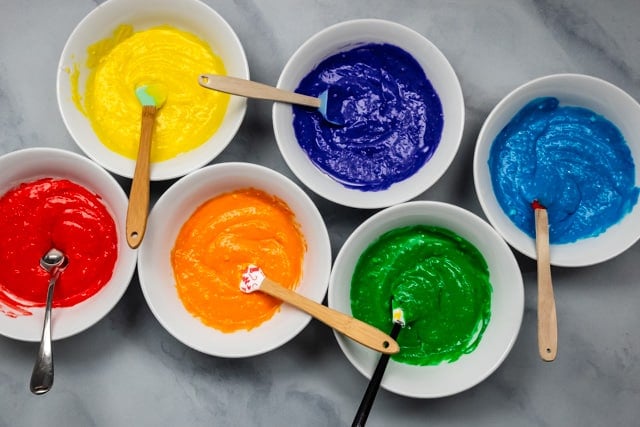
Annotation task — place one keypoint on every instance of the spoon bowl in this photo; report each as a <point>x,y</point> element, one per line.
<point>54,262</point>
<point>157,279</point>
<point>53,259</point>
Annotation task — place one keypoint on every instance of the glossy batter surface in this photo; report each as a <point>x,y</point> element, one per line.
<point>165,57</point>
<point>53,213</point>
<point>393,117</point>
<point>218,242</point>
<point>574,162</point>
<point>441,282</point>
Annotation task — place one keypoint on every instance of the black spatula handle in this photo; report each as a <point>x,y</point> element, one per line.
<point>374,384</point>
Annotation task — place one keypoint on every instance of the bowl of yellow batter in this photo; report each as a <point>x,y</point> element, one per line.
<point>124,44</point>
<point>203,233</point>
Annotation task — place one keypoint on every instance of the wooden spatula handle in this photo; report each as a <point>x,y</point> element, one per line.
<point>353,328</point>
<point>251,89</point>
<point>139,195</point>
<point>547,320</point>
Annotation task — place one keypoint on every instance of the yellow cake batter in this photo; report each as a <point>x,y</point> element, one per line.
<point>162,56</point>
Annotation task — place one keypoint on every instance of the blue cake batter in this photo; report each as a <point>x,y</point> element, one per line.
<point>575,162</point>
<point>392,117</point>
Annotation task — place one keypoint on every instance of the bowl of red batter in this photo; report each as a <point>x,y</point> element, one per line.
<point>203,233</point>
<point>401,109</point>
<point>52,198</point>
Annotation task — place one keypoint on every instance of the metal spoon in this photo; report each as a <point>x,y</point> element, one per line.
<point>54,262</point>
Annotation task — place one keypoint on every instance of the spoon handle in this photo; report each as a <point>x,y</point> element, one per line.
<point>374,384</point>
<point>42,374</point>
<point>251,89</point>
<point>138,208</point>
<point>547,319</point>
<point>353,328</point>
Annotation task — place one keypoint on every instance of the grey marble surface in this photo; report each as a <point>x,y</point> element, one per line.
<point>126,370</point>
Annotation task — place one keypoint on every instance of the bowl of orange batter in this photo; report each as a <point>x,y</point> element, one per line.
<point>203,233</point>
<point>166,44</point>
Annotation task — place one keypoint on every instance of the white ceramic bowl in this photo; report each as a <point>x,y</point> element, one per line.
<point>344,36</point>
<point>173,209</point>
<point>507,300</point>
<point>575,90</point>
<point>33,163</point>
<point>193,16</point>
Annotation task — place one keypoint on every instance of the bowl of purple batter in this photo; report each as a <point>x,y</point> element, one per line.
<point>401,110</point>
<point>571,142</point>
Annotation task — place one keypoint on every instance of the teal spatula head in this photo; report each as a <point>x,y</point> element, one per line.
<point>151,95</point>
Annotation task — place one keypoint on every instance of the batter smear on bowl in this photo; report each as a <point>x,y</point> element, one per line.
<point>53,213</point>
<point>219,240</point>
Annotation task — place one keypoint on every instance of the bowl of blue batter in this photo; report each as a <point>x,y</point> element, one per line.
<point>401,110</point>
<point>572,143</point>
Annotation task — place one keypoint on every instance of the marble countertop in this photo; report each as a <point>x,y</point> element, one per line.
<point>127,370</point>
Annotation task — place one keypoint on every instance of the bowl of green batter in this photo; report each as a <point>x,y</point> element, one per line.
<point>457,282</point>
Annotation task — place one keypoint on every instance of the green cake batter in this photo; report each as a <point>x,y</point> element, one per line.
<point>441,282</point>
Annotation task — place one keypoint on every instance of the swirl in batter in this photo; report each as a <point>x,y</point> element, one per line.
<point>217,243</point>
<point>393,117</point>
<point>164,57</point>
<point>53,213</point>
<point>441,282</point>
<point>575,162</point>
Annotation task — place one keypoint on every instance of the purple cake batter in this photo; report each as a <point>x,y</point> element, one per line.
<point>392,117</point>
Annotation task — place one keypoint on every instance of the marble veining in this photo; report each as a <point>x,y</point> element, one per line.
<point>577,28</point>
<point>127,370</point>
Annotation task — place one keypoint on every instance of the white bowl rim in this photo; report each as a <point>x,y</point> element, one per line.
<point>171,168</point>
<point>298,320</point>
<point>89,312</point>
<point>410,187</point>
<point>389,217</point>
<point>562,255</point>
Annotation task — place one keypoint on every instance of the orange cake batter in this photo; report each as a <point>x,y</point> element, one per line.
<point>219,240</point>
